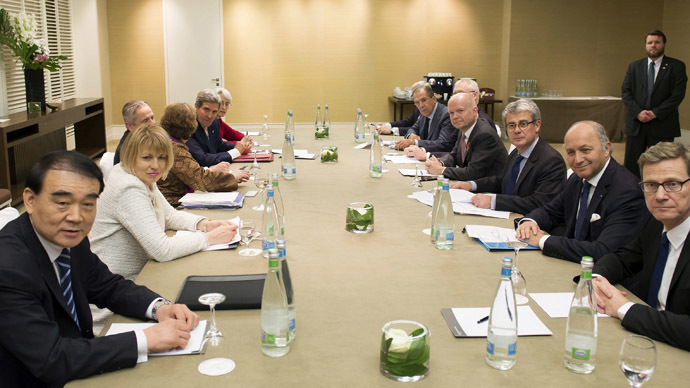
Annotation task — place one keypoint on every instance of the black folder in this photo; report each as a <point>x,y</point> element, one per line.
<point>241,291</point>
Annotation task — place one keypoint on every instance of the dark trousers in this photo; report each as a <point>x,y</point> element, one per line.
<point>637,145</point>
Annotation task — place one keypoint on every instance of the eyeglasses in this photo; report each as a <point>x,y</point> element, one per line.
<point>670,187</point>
<point>521,125</point>
<point>421,101</point>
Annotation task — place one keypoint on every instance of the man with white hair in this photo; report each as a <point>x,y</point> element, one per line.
<point>134,113</point>
<point>601,206</point>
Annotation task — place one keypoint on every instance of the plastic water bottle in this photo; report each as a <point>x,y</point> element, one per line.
<point>288,166</point>
<point>444,225</point>
<point>376,158</point>
<point>581,329</point>
<point>290,126</point>
<point>327,122</point>
<point>501,339</point>
<point>287,280</point>
<point>434,208</point>
<point>278,198</point>
<point>270,228</point>
<point>359,127</point>
<point>274,311</point>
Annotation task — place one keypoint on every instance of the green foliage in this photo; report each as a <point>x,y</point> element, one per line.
<point>17,33</point>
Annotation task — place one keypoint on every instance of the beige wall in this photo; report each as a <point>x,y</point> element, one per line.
<point>283,54</point>
<point>137,65</point>
<point>677,30</point>
<point>287,54</point>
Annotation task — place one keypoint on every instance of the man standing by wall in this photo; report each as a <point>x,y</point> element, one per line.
<point>652,90</point>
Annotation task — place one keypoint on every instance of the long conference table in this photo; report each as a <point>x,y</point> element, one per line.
<point>348,286</point>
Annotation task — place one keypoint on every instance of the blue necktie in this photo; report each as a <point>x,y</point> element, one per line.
<point>655,284</point>
<point>65,269</point>
<point>425,131</point>
<point>650,85</point>
<point>582,213</point>
<point>511,184</point>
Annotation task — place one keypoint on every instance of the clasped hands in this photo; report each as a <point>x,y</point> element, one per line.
<point>646,116</point>
<point>175,322</point>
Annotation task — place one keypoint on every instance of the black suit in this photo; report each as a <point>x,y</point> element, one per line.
<point>619,204</point>
<point>668,93</point>
<point>440,137</point>
<point>209,150</point>
<point>540,180</point>
<point>405,124</point>
<point>485,155</point>
<point>116,159</point>
<point>40,344</point>
<point>640,255</point>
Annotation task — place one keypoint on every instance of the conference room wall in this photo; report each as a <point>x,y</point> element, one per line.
<point>136,50</point>
<point>677,30</point>
<point>281,54</point>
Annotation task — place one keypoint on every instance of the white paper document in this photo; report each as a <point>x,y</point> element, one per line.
<point>410,172</point>
<point>299,153</point>
<point>252,133</point>
<point>556,304</point>
<point>461,203</point>
<point>219,247</point>
<point>209,198</point>
<point>468,208</point>
<point>400,159</point>
<point>491,234</point>
<point>528,322</point>
<point>194,345</point>
<point>362,146</point>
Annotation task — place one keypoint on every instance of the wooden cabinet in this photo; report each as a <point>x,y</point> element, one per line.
<point>27,137</point>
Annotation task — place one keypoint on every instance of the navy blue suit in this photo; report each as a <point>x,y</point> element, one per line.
<point>440,136</point>
<point>485,155</point>
<point>209,150</point>
<point>40,344</point>
<point>639,256</point>
<point>619,204</point>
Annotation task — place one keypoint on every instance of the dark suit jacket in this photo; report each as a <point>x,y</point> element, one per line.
<point>540,180</point>
<point>40,344</point>
<point>209,150</point>
<point>441,135</point>
<point>405,124</point>
<point>617,200</point>
<point>672,325</point>
<point>485,156</point>
<point>116,159</point>
<point>668,93</point>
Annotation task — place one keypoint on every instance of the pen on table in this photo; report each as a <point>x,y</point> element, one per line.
<point>486,318</point>
<point>243,167</point>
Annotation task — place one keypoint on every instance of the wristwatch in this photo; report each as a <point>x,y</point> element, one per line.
<point>157,305</point>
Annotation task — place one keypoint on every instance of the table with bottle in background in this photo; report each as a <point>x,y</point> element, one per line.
<point>348,286</point>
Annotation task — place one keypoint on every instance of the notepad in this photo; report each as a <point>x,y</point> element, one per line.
<point>194,346</point>
<point>492,237</point>
<point>462,322</point>
<point>556,304</point>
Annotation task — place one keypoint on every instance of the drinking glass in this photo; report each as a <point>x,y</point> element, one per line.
<point>247,232</point>
<point>637,359</point>
<point>518,279</point>
<point>211,300</point>
<point>255,166</point>
<point>359,218</point>
<point>264,128</point>
<point>404,351</point>
<point>261,181</point>
<point>416,182</point>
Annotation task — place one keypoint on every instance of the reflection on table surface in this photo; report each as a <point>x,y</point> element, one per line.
<point>348,286</point>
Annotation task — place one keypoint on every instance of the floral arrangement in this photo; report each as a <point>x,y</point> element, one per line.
<point>18,32</point>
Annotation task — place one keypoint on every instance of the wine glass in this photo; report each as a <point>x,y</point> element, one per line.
<point>255,166</point>
<point>637,359</point>
<point>247,232</point>
<point>211,300</point>
<point>260,180</point>
<point>416,182</point>
<point>264,128</point>
<point>518,279</point>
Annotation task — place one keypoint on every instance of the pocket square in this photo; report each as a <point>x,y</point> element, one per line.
<point>595,217</point>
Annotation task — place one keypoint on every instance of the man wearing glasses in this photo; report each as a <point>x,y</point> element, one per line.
<point>432,130</point>
<point>600,207</point>
<point>534,173</point>
<point>657,253</point>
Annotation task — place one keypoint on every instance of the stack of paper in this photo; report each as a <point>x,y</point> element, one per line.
<point>212,200</point>
<point>194,346</point>
<point>462,203</point>
<point>400,159</point>
<point>299,154</point>
<point>217,247</point>
<point>493,237</point>
<point>471,322</point>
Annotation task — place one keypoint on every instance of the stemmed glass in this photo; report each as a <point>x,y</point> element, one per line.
<point>416,182</point>
<point>255,166</point>
<point>264,128</point>
<point>248,233</point>
<point>211,300</point>
<point>261,181</point>
<point>518,279</point>
<point>637,359</point>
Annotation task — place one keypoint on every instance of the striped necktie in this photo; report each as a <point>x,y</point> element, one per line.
<point>65,269</point>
